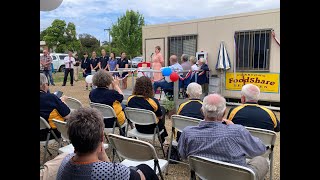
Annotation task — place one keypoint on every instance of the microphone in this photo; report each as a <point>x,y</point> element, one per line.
<point>151,55</point>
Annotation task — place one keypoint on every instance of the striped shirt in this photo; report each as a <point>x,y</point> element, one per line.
<point>228,143</point>
<point>46,59</point>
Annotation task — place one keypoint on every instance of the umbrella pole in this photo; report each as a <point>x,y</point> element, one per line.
<point>221,79</point>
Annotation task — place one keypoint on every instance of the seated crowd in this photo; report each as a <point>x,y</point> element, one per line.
<point>215,137</point>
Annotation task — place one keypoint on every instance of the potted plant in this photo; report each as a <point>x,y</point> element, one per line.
<point>169,105</point>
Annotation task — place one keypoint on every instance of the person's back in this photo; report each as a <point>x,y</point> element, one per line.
<point>250,113</point>
<point>192,107</point>
<point>254,115</point>
<point>51,107</point>
<point>219,141</point>
<point>70,169</point>
<point>103,95</point>
<point>109,97</point>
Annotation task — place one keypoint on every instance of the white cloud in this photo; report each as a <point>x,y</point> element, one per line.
<point>92,16</point>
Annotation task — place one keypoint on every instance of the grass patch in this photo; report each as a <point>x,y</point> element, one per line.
<point>58,77</point>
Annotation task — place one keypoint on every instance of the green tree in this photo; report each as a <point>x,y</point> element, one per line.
<point>71,38</point>
<point>89,43</point>
<point>127,33</point>
<point>54,36</point>
<point>61,36</point>
<point>42,34</point>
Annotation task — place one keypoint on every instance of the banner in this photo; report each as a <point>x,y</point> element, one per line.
<point>267,82</point>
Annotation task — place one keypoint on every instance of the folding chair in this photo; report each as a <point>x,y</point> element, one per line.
<point>143,117</point>
<point>62,128</point>
<point>137,152</point>
<point>207,168</point>
<point>179,123</point>
<point>44,125</point>
<point>268,138</point>
<point>108,112</point>
<point>73,103</point>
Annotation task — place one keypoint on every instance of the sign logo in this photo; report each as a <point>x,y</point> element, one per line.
<point>267,82</point>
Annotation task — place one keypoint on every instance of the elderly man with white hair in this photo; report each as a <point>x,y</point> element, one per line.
<point>220,139</point>
<point>192,107</point>
<point>250,113</point>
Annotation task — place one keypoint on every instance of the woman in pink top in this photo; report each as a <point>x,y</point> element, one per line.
<point>157,63</point>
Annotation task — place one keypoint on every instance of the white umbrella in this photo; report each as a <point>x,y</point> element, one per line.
<point>223,62</point>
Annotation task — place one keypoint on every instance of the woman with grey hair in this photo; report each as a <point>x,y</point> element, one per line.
<point>89,160</point>
<point>191,108</point>
<point>104,95</point>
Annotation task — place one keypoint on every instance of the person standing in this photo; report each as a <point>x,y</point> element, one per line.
<point>94,62</point>
<point>69,62</point>
<point>123,63</point>
<point>103,60</point>
<point>112,64</point>
<point>157,64</point>
<point>76,67</point>
<point>45,61</point>
<point>86,67</point>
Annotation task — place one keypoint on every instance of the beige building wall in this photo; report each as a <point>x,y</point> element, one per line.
<point>211,31</point>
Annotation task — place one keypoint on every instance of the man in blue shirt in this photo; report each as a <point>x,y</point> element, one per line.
<point>163,83</point>
<point>220,139</point>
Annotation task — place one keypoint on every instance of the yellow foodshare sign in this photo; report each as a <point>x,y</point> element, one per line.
<point>267,82</point>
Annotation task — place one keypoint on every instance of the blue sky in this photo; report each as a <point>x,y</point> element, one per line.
<point>93,16</point>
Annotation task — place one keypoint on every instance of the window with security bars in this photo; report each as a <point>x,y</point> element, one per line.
<point>253,50</point>
<point>179,45</point>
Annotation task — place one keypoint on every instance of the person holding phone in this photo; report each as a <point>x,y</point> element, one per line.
<point>51,107</point>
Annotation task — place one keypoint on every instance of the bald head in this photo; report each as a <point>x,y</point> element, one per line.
<point>213,107</point>
<point>250,93</point>
<point>173,59</point>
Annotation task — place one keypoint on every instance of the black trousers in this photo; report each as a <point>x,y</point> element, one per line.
<point>66,72</point>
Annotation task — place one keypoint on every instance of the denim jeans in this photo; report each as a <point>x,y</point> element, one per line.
<point>163,84</point>
<point>48,73</point>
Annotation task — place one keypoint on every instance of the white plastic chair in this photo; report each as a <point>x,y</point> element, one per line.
<point>207,168</point>
<point>179,123</point>
<point>143,117</point>
<point>73,103</point>
<point>62,128</point>
<point>44,125</point>
<point>269,139</point>
<point>108,112</point>
<point>137,152</point>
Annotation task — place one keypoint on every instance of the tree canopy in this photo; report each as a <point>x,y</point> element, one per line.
<point>61,36</point>
<point>127,33</point>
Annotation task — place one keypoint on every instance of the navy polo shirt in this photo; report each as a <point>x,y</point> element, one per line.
<point>51,107</point>
<point>94,63</point>
<point>85,64</point>
<point>191,108</point>
<point>104,61</point>
<point>253,115</point>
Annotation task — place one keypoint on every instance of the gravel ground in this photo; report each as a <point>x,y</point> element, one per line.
<point>176,171</point>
